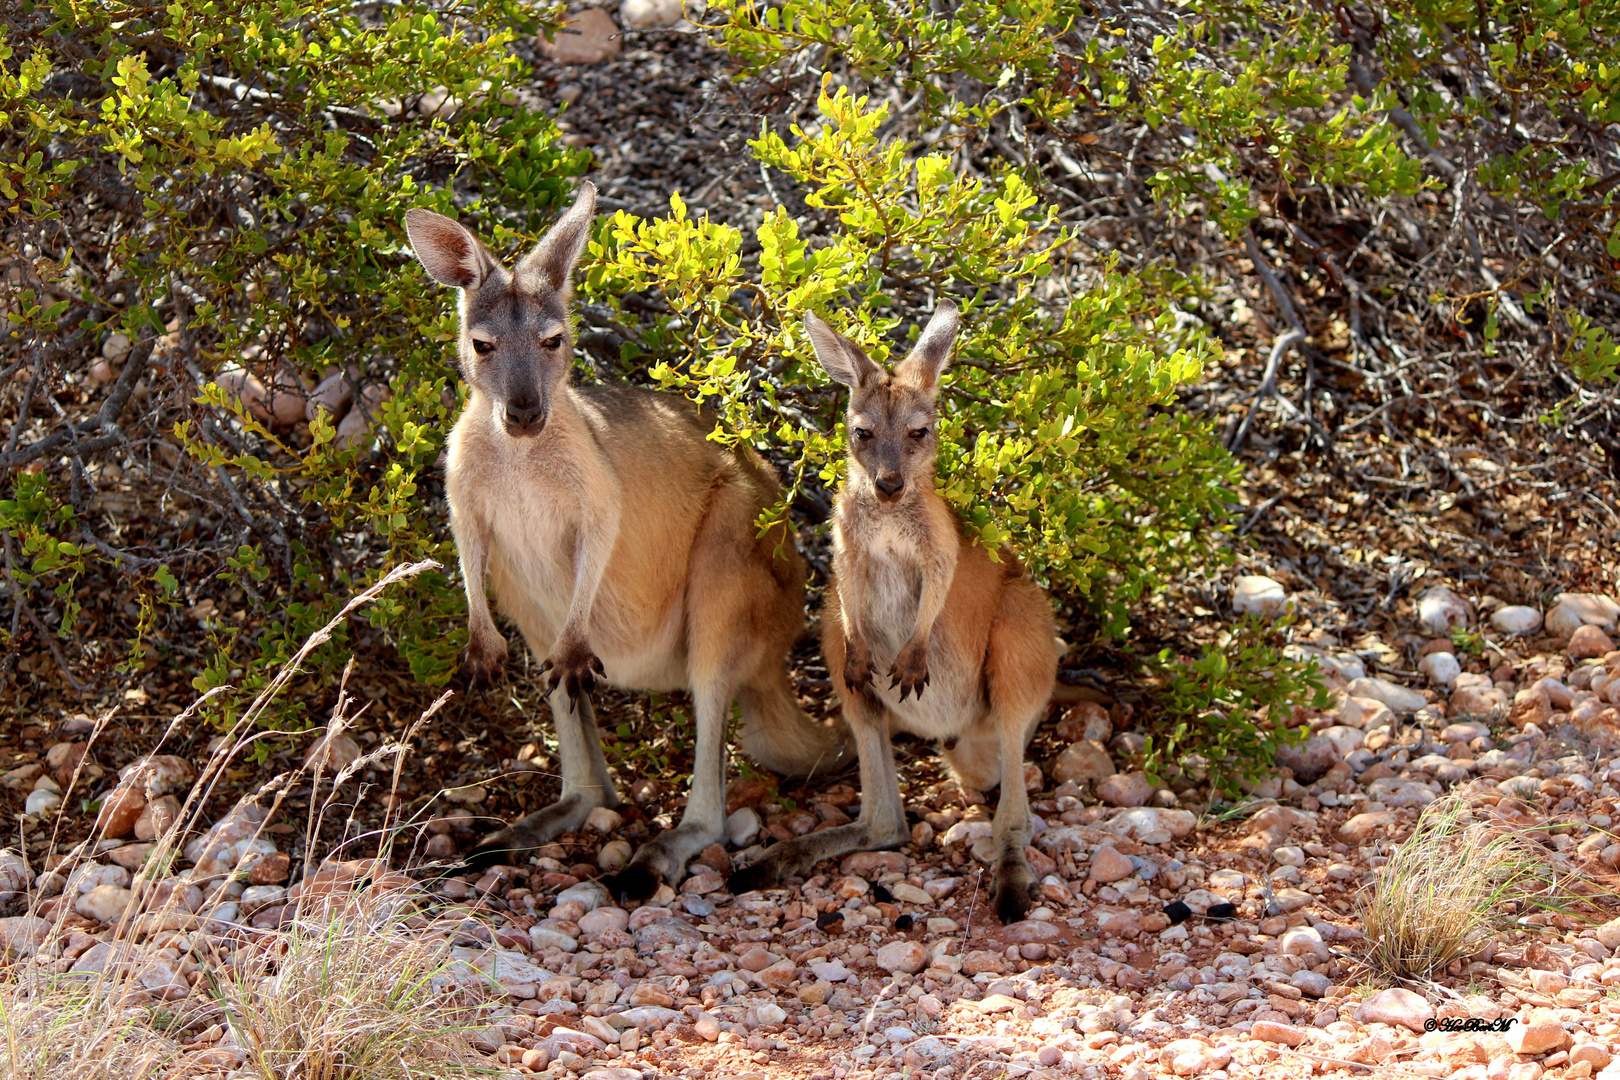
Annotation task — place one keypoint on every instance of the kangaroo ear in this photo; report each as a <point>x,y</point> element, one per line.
<point>552,260</point>
<point>450,254</point>
<point>933,349</point>
<point>844,360</point>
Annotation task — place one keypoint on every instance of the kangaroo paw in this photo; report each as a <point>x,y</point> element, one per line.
<point>1013,895</point>
<point>483,659</point>
<point>858,668</point>
<point>573,666</point>
<point>909,673</point>
<point>761,875</point>
<point>635,882</point>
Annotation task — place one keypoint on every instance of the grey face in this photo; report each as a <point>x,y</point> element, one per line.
<point>891,436</point>
<point>515,345</point>
<point>892,441</point>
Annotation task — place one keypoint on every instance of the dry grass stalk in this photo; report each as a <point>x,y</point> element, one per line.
<point>352,994</point>
<point>1445,890</point>
<point>347,992</point>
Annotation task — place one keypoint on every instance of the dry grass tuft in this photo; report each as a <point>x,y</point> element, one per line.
<point>359,987</point>
<point>354,994</point>
<point>1445,891</point>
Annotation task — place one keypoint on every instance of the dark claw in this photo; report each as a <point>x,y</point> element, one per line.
<point>479,670</point>
<point>751,878</point>
<point>572,671</point>
<point>635,882</point>
<point>1013,903</point>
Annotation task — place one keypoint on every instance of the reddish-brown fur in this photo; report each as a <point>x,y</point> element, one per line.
<point>619,539</point>
<point>923,631</point>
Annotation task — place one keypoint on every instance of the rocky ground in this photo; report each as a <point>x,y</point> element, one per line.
<point>1175,937</point>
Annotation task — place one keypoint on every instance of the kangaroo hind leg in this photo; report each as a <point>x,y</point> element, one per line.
<point>732,627</point>
<point>586,785</point>
<point>1021,668</point>
<point>882,823</point>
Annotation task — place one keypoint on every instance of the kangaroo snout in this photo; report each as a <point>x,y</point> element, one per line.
<point>524,418</point>
<point>890,486</point>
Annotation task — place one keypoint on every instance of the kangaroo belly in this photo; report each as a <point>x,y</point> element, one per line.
<point>951,703</point>
<point>953,700</point>
<point>893,590</point>
<point>636,628</point>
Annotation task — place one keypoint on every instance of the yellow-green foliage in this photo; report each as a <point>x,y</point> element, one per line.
<point>1228,104</point>
<point>1057,424</point>
<point>236,170</point>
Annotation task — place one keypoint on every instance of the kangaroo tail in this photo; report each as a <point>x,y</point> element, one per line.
<point>784,739</point>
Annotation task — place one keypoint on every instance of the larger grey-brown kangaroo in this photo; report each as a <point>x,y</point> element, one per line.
<point>619,539</point>
<point>918,611</point>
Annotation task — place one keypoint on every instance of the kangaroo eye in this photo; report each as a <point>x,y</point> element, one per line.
<point>862,434</point>
<point>482,347</point>
<point>551,342</point>
<point>919,433</point>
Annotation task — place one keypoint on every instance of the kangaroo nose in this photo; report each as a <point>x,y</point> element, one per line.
<point>521,414</point>
<point>890,485</point>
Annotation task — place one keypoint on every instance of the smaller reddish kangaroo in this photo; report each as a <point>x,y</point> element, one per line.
<point>922,631</point>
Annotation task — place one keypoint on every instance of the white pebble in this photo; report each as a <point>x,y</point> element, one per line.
<point>1516,619</point>
<point>1442,668</point>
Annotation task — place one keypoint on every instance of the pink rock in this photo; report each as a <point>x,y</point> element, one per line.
<point>1396,1007</point>
<point>1086,720</point>
<point>1594,1052</point>
<point>1083,762</point>
<point>780,975</point>
<point>867,863</point>
<point>755,959</point>
<point>1540,1033</point>
<point>1440,609</point>
<point>1108,865</point>
<point>590,37</point>
<point>119,811</point>
<point>1358,829</point>
<point>333,394</point>
<point>247,389</point>
<point>1117,922</point>
<point>23,933</point>
<point>1589,641</point>
<point>909,957</point>
<point>1271,1031</point>
<point>1531,706</point>
<point>157,817</point>
<point>332,753</point>
<point>1125,789</point>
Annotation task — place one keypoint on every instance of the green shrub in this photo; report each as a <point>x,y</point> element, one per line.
<point>1421,193</point>
<point>1058,427</point>
<point>1224,716</point>
<point>1234,109</point>
<point>222,182</point>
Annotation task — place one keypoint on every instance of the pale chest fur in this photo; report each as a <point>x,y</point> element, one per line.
<point>893,557</point>
<point>527,502</point>
<point>893,563</point>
